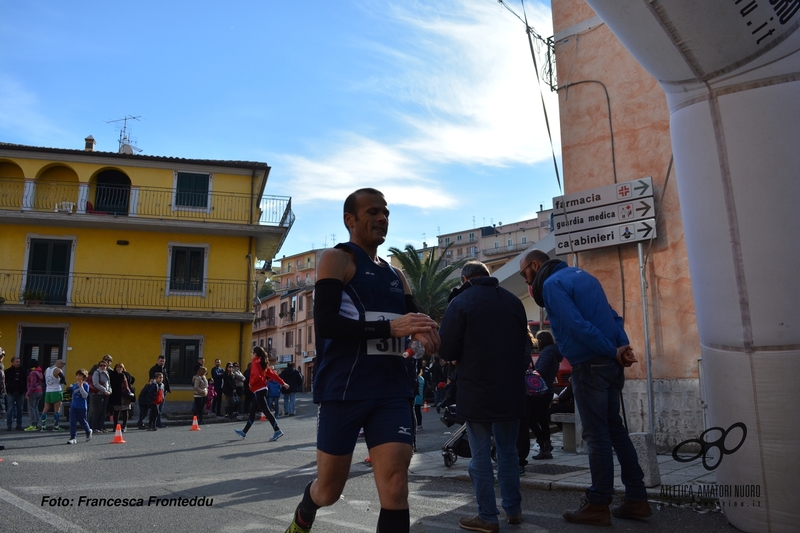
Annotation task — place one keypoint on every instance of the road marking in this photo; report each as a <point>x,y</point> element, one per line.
<point>57,522</point>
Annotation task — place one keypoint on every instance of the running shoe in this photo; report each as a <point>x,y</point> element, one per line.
<point>72,441</point>
<point>294,527</point>
<point>89,436</point>
<point>278,434</point>
<point>58,428</point>
<point>240,433</point>
<point>31,428</point>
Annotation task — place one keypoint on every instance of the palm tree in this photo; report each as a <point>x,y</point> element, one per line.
<point>428,279</point>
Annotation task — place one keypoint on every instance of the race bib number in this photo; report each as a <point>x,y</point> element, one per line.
<point>390,346</point>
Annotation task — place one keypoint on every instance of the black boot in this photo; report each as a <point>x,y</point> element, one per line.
<point>545,449</point>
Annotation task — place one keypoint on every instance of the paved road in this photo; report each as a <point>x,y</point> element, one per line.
<point>245,485</point>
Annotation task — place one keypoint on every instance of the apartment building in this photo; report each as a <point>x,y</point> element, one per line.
<point>494,245</point>
<point>284,323</point>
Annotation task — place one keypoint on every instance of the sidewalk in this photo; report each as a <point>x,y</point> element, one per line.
<point>569,471</point>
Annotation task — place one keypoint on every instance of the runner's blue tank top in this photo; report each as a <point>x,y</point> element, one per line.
<point>358,369</point>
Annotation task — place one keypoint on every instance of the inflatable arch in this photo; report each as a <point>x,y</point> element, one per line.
<point>731,73</point>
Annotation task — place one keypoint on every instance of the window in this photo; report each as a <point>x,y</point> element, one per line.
<point>496,245</point>
<point>458,238</point>
<point>447,241</point>
<point>299,337</point>
<point>524,240</point>
<point>187,268</point>
<point>510,242</point>
<point>47,279</point>
<point>288,339</point>
<point>192,190</point>
<point>471,237</point>
<point>181,357</point>
<point>473,251</point>
<point>310,335</point>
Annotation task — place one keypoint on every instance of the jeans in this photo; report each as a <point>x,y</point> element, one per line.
<point>33,408</point>
<point>480,467</point>
<point>98,404</point>
<point>273,402</point>
<point>160,410</point>
<point>14,407</point>
<point>288,403</point>
<point>597,385</point>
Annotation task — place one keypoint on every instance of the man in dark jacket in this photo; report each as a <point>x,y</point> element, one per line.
<point>16,387</point>
<point>590,335</point>
<point>485,331</point>
<point>161,366</point>
<point>294,378</point>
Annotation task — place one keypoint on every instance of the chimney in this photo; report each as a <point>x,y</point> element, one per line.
<point>90,144</point>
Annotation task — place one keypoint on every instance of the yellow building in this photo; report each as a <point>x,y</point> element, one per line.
<point>132,255</point>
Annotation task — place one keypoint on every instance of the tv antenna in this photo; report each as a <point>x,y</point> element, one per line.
<point>126,146</point>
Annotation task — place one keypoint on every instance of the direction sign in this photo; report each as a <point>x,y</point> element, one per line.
<point>603,216</point>
<point>577,241</point>
<point>610,194</point>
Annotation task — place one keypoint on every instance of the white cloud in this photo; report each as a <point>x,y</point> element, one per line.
<point>360,162</point>
<point>20,117</point>
<point>464,66</point>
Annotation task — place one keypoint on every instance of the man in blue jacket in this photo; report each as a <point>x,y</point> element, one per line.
<point>590,335</point>
<point>485,330</point>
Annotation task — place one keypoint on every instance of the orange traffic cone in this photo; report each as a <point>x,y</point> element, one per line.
<point>195,426</point>
<point>425,408</point>
<point>263,416</point>
<point>118,436</point>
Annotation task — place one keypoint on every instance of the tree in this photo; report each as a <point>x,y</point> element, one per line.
<point>266,290</point>
<point>428,279</point>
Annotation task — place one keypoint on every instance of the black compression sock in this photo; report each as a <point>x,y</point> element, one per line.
<point>307,509</point>
<point>394,521</point>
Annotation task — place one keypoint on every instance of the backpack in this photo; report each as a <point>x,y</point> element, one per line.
<point>90,382</point>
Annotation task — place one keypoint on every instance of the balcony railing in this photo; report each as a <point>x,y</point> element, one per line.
<point>265,322</point>
<point>143,202</point>
<point>506,249</point>
<point>121,292</point>
<point>307,266</point>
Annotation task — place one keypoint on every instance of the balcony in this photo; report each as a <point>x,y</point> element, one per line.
<point>507,249</point>
<point>265,322</point>
<point>146,208</point>
<point>108,295</point>
<point>310,265</point>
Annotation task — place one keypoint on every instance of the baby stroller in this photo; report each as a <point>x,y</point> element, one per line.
<point>458,444</point>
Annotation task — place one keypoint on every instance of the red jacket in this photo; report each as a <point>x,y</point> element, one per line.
<point>259,376</point>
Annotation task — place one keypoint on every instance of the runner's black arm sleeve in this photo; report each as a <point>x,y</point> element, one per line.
<point>331,325</point>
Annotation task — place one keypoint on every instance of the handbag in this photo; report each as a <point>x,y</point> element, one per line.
<point>534,384</point>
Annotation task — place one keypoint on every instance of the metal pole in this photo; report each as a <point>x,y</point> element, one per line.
<point>646,327</point>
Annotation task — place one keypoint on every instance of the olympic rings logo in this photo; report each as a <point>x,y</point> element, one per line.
<point>706,446</point>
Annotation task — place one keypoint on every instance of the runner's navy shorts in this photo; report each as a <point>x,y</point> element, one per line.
<point>384,420</point>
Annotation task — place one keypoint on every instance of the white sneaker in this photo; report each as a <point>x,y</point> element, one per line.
<point>72,441</point>
<point>89,436</point>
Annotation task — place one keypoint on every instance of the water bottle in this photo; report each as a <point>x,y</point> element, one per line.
<point>416,350</point>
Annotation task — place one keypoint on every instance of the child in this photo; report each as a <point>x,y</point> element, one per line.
<point>77,408</point>
<point>146,397</point>
<point>157,393</point>
<point>273,396</point>
<point>211,395</point>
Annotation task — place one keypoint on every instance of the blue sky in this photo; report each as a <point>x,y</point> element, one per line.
<point>434,103</point>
